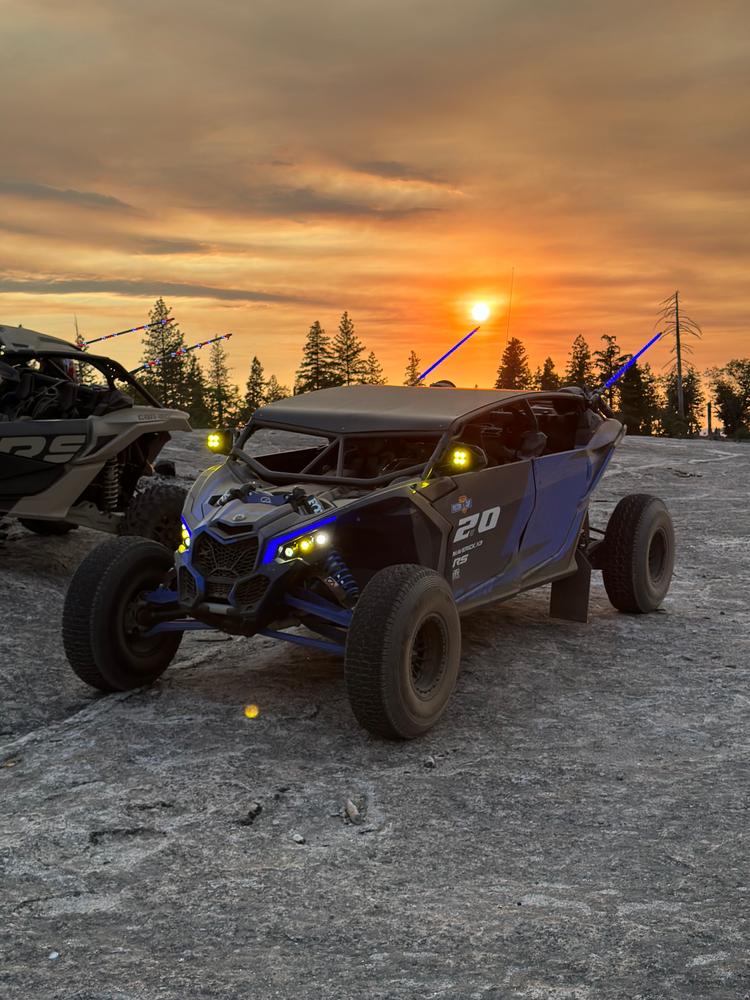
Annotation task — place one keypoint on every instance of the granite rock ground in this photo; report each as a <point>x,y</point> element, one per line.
<point>576,826</point>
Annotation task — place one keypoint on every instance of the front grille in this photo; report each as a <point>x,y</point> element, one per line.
<point>212,558</point>
<point>250,592</point>
<point>188,588</point>
<point>216,590</point>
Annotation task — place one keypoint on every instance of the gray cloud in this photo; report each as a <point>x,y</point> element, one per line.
<point>80,286</point>
<point>397,171</point>
<point>43,192</point>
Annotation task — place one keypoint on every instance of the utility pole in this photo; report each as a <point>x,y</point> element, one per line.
<point>680,394</point>
<point>510,304</point>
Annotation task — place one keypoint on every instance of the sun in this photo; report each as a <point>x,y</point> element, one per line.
<point>480,311</point>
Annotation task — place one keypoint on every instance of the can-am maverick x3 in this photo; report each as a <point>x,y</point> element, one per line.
<point>72,452</point>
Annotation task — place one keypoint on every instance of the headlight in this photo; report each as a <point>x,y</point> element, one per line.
<point>305,543</point>
<point>185,543</point>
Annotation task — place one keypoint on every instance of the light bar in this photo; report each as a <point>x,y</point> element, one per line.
<point>275,544</point>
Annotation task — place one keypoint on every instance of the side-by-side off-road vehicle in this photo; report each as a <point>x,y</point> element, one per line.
<point>77,434</point>
<point>374,517</point>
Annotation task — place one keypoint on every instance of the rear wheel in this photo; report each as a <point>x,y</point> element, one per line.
<point>402,652</point>
<point>47,528</point>
<point>156,513</point>
<point>638,554</point>
<point>105,616</point>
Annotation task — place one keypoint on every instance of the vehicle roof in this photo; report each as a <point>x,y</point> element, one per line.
<point>357,409</point>
<point>17,339</point>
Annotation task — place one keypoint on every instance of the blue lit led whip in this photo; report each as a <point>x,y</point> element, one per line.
<point>133,329</point>
<point>628,364</point>
<point>178,353</point>
<point>447,354</point>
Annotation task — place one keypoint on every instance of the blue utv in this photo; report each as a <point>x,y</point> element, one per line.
<point>363,521</point>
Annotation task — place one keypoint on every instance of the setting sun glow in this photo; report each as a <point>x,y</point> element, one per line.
<point>480,311</point>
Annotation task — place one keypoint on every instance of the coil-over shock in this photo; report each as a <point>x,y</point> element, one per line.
<point>340,574</point>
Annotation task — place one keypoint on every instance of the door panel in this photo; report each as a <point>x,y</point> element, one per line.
<point>489,511</point>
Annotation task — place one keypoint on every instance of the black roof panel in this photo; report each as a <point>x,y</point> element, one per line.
<point>358,409</point>
<point>17,339</point>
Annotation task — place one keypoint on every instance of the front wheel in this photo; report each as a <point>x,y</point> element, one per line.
<point>105,616</point>
<point>402,652</point>
<point>638,554</point>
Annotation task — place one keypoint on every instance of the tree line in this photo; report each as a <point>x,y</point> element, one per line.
<point>648,403</point>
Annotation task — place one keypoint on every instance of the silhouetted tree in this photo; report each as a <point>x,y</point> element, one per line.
<point>672,424</point>
<point>579,370</point>
<point>373,371</point>
<point>255,389</point>
<point>165,380</point>
<point>607,361</point>
<point>275,390</point>
<point>514,371</point>
<point>546,378</point>
<point>223,396</point>
<point>315,370</point>
<point>731,391</point>
<point>639,400</point>
<point>411,375</point>
<point>347,366</point>
<point>194,386</point>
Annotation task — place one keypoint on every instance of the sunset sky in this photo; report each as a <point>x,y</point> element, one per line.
<point>263,164</point>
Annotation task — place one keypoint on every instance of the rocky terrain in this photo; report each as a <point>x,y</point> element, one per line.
<point>576,827</point>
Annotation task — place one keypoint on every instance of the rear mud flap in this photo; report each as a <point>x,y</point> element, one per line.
<point>569,598</point>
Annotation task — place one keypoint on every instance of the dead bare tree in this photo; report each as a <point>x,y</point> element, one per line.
<point>677,325</point>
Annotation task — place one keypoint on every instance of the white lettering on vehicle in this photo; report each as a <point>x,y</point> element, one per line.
<point>56,449</point>
<point>486,520</point>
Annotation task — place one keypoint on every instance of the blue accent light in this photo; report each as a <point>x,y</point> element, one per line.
<point>447,354</point>
<point>273,546</point>
<point>629,364</point>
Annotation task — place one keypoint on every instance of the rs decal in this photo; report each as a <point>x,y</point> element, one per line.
<point>485,521</point>
<point>56,449</point>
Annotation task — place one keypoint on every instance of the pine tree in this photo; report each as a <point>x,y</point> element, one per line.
<point>579,370</point>
<point>608,360</point>
<point>348,365</point>
<point>672,424</point>
<point>255,389</point>
<point>731,390</point>
<point>223,397</point>
<point>373,371</point>
<point>639,400</point>
<point>165,380</point>
<point>275,390</point>
<point>546,378</point>
<point>314,371</point>
<point>411,375</point>
<point>514,371</point>
<point>194,387</point>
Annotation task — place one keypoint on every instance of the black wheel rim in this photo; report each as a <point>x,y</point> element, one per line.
<point>134,623</point>
<point>428,656</point>
<point>658,555</point>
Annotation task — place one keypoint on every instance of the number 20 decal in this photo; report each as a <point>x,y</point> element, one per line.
<point>485,521</point>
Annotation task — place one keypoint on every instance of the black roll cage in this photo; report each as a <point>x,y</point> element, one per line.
<point>336,441</point>
<point>109,368</point>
